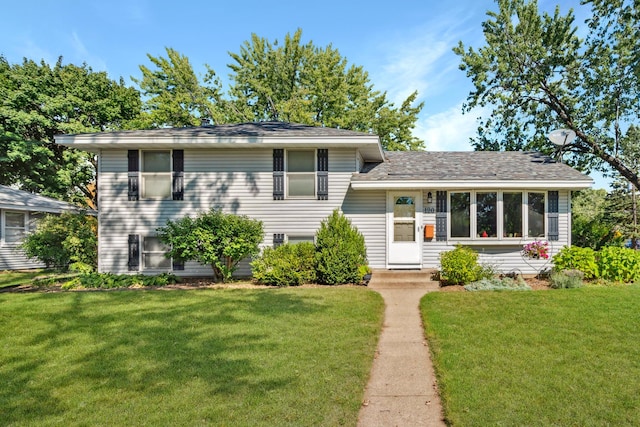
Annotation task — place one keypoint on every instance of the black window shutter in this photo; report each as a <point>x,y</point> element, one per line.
<point>133,169</point>
<point>278,174</point>
<point>134,252</point>
<point>178,175</point>
<point>441,215</point>
<point>553,217</point>
<point>178,265</point>
<point>278,239</point>
<point>323,174</point>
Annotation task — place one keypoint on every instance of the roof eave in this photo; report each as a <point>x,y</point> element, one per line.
<point>471,185</point>
<point>369,145</point>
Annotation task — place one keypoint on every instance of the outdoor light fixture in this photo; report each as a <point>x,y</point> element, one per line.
<point>429,197</point>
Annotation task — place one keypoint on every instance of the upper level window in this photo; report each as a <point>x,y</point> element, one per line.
<point>156,175</point>
<point>14,226</point>
<point>301,173</point>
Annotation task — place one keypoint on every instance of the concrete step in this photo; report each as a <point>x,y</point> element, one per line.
<point>424,274</point>
<point>405,279</point>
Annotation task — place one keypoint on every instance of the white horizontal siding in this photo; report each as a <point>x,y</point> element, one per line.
<point>367,211</point>
<point>237,181</point>
<point>13,258</point>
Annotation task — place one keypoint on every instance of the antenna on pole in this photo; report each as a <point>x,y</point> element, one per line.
<point>560,138</point>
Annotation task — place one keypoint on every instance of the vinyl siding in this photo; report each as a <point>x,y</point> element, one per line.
<point>11,256</point>
<point>367,211</point>
<point>505,258</point>
<point>238,181</point>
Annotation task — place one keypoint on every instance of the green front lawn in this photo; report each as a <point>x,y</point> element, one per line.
<point>200,357</point>
<point>543,358</point>
<point>12,278</point>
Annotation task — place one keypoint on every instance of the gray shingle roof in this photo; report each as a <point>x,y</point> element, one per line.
<point>10,198</point>
<point>253,129</point>
<point>468,165</point>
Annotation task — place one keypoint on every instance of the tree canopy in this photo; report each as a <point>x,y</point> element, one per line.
<point>535,74</point>
<point>38,101</point>
<point>289,81</point>
<point>174,94</point>
<point>314,85</point>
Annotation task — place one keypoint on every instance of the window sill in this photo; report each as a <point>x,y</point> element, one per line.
<point>514,241</point>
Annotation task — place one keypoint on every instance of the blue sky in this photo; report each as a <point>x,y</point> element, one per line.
<point>404,45</point>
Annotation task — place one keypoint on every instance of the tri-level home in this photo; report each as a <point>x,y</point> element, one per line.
<point>410,206</point>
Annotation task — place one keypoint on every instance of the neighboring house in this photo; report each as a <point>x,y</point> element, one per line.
<point>19,213</point>
<point>410,206</point>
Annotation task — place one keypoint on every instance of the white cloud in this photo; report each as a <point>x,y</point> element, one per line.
<point>83,55</point>
<point>449,130</point>
<point>421,58</point>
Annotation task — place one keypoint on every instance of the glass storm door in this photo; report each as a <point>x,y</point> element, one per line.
<point>403,230</point>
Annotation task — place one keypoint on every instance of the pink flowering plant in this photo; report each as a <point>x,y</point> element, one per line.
<point>536,250</point>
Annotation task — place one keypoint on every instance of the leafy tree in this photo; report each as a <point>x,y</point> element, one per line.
<point>536,74</point>
<point>174,94</point>
<point>213,238</point>
<point>340,251</point>
<point>308,84</point>
<point>38,102</point>
<point>63,240</point>
<point>591,226</point>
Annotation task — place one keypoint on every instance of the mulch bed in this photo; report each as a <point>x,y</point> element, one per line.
<point>207,283</point>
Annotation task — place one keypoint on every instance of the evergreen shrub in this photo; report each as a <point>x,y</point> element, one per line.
<point>340,251</point>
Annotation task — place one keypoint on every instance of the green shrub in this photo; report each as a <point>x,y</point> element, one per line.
<point>619,264</point>
<point>286,265</point>
<point>340,251</point>
<point>460,266</point>
<point>566,279</point>
<point>576,258</point>
<point>213,238</point>
<point>499,284</point>
<point>63,239</point>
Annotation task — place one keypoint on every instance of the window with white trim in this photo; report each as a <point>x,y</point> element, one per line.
<point>460,214</point>
<point>299,239</point>
<point>153,254</point>
<point>155,175</point>
<point>14,226</point>
<point>511,214</point>
<point>301,173</point>
<point>535,215</point>
<point>497,214</point>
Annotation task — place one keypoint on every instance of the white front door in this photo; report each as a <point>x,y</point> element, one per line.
<point>404,223</point>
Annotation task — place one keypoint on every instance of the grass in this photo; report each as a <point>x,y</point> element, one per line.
<point>13,278</point>
<point>199,357</point>
<point>537,358</point>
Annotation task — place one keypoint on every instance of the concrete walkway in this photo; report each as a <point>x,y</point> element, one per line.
<point>402,388</point>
